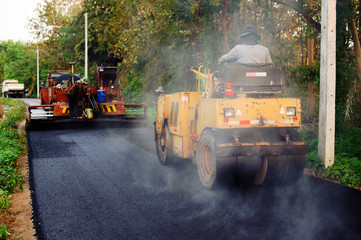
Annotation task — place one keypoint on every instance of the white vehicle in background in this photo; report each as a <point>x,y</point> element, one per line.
<point>12,88</point>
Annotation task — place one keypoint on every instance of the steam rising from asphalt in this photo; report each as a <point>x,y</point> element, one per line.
<point>266,212</point>
<point>306,210</point>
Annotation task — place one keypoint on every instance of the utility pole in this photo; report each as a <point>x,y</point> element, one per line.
<point>86,46</point>
<point>326,129</point>
<point>37,72</point>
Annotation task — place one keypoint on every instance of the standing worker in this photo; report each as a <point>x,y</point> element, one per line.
<point>75,94</point>
<point>112,61</point>
<point>110,69</point>
<point>248,50</point>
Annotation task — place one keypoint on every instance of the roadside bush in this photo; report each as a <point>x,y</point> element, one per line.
<point>347,165</point>
<point>14,115</point>
<point>4,231</point>
<point>10,179</point>
<point>348,140</point>
<point>313,162</point>
<point>4,200</point>
<point>346,169</point>
<point>10,149</point>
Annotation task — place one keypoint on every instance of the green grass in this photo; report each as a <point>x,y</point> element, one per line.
<point>5,202</point>
<point>313,162</point>
<point>4,232</point>
<point>12,145</point>
<point>347,166</point>
<point>134,110</point>
<point>346,169</point>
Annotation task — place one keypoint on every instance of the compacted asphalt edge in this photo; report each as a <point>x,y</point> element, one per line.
<point>36,218</point>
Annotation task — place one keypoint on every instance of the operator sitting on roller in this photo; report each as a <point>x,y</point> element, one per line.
<point>75,94</point>
<point>248,50</point>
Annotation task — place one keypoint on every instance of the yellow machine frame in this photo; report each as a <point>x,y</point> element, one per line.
<point>186,116</point>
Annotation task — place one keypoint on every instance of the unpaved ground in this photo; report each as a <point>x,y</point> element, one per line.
<point>19,217</point>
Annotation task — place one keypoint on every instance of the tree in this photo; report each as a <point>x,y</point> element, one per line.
<point>52,28</point>
<point>161,39</point>
<point>17,61</point>
<point>354,92</point>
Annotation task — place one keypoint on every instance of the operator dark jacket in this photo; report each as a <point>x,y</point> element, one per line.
<point>112,61</point>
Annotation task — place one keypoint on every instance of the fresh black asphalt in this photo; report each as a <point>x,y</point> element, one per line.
<point>100,182</point>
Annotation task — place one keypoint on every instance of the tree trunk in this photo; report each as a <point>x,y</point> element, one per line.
<point>310,51</point>
<point>244,15</point>
<point>353,93</point>
<point>356,41</point>
<point>359,10</point>
<point>311,101</point>
<point>31,89</point>
<point>301,50</point>
<point>224,25</point>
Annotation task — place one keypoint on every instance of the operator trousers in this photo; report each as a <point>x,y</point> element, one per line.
<point>73,106</point>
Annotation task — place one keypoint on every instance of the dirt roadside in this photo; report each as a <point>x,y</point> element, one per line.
<point>18,218</point>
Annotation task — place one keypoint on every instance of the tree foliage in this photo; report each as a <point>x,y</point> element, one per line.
<point>161,39</point>
<point>52,28</point>
<point>17,62</point>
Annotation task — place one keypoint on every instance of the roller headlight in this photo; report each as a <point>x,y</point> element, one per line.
<point>291,111</point>
<point>229,112</point>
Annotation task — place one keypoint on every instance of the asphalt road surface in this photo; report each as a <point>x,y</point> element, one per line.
<point>31,101</point>
<point>91,182</point>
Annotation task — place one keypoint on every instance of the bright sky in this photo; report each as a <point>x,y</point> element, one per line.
<point>14,19</point>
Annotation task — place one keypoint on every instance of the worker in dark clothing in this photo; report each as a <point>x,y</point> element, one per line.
<point>112,61</point>
<point>110,70</point>
<point>76,93</point>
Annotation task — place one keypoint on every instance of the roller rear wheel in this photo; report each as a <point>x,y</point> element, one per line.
<point>262,172</point>
<point>206,160</point>
<point>164,146</point>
